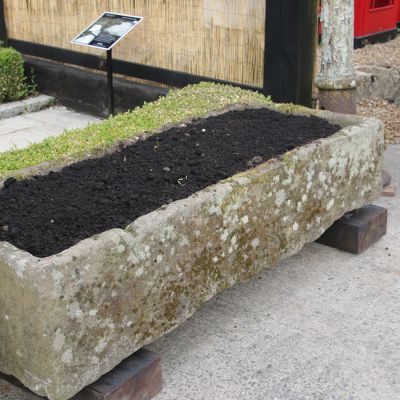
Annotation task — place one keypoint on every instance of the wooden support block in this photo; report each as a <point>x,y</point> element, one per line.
<point>389,191</point>
<point>137,378</point>
<point>358,230</point>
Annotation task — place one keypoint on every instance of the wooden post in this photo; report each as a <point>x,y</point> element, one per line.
<point>290,45</point>
<point>3,29</point>
<point>336,81</point>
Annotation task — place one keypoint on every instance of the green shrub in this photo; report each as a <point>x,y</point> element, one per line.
<point>13,84</point>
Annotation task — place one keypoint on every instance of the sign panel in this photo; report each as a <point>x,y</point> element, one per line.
<point>107,30</point>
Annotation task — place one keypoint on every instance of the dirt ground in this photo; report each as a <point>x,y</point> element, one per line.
<point>388,113</point>
<point>380,54</point>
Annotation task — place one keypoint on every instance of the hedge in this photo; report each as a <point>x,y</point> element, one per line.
<point>13,84</point>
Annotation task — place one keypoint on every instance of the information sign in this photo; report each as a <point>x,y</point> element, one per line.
<point>107,30</point>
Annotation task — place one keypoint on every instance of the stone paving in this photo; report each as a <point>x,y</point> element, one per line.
<point>21,131</point>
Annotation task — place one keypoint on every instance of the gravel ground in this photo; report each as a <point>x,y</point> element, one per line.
<point>379,54</point>
<point>387,112</point>
<point>383,55</point>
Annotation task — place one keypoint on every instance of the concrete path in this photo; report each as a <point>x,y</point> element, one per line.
<point>322,325</point>
<point>21,131</point>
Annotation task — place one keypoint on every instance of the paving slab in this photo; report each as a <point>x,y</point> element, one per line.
<point>23,130</point>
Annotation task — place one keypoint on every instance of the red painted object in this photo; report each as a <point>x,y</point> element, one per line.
<point>374,20</point>
<point>374,17</point>
<point>398,16</point>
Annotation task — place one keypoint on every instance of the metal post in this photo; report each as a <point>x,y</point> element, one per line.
<point>290,47</point>
<point>336,81</point>
<point>110,86</point>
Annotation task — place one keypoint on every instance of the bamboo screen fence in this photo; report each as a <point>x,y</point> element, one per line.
<point>222,39</point>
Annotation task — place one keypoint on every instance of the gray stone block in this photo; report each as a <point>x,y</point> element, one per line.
<point>37,103</point>
<point>378,83</point>
<point>67,319</point>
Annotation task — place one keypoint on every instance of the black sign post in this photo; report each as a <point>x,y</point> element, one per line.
<point>110,86</point>
<point>105,33</point>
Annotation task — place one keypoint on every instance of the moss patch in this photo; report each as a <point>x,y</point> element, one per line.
<point>192,101</point>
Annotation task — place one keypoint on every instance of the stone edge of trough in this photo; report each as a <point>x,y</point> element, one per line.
<point>32,104</point>
<point>45,277</point>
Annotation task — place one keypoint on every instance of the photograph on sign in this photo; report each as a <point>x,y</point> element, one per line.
<point>107,30</point>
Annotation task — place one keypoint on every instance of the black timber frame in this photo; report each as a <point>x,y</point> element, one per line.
<point>3,29</point>
<point>140,71</point>
<point>290,46</point>
<point>290,39</point>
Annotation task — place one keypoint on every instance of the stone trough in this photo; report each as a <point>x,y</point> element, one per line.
<point>67,319</point>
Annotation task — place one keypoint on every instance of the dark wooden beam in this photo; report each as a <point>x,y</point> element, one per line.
<point>138,377</point>
<point>290,45</point>
<point>3,28</point>
<point>74,87</point>
<point>146,72</point>
<point>358,230</point>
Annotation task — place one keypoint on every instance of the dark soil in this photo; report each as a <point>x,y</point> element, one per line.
<point>47,214</point>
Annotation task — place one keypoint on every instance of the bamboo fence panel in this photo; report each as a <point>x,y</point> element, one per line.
<point>222,39</point>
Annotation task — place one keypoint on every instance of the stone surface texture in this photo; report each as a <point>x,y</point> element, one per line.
<point>67,319</point>
<point>37,103</point>
<point>379,83</point>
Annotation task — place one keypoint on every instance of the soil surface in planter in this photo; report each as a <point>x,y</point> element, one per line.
<point>47,214</point>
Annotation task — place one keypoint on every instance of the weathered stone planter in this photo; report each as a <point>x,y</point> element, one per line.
<point>67,319</point>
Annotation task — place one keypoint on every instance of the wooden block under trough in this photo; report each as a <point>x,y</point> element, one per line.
<point>356,231</point>
<point>136,378</point>
<point>389,191</point>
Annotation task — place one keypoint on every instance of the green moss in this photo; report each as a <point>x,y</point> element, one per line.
<point>287,159</point>
<point>192,101</point>
<point>295,109</point>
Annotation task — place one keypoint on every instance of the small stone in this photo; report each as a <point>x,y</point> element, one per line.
<point>255,161</point>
